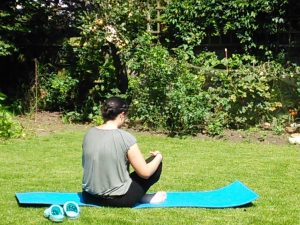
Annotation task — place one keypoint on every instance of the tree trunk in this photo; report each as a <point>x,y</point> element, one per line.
<point>120,67</point>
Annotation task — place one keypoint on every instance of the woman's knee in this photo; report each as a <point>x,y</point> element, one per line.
<point>156,175</point>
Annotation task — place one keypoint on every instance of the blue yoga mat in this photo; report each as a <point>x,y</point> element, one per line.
<point>234,195</point>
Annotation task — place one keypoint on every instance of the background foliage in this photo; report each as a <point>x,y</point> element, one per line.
<point>188,98</point>
<point>89,50</point>
<point>191,22</point>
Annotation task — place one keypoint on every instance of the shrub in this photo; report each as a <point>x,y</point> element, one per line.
<point>169,93</point>
<point>187,104</point>
<point>9,128</point>
<point>57,90</point>
<point>165,93</point>
<point>245,91</point>
<point>152,67</point>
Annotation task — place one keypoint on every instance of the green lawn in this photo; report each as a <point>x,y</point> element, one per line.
<point>53,163</point>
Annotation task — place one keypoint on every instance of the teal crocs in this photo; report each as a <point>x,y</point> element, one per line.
<point>54,213</point>
<point>72,210</point>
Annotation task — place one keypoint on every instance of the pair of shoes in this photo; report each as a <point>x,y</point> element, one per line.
<point>56,213</point>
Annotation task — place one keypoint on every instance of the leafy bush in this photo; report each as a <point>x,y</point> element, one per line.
<point>164,92</point>
<point>94,116</point>
<point>9,128</point>
<point>169,93</point>
<point>247,92</point>
<point>152,67</point>
<point>57,91</point>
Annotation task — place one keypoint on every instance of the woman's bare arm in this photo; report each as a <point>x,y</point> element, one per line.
<point>143,169</point>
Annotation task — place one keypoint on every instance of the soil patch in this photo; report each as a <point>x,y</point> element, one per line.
<point>259,136</point>
<point>45,123</point>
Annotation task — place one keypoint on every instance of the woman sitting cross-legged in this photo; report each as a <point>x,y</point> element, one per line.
<point>107,153</point>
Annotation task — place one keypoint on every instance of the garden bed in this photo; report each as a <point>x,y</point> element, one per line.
<point>45,123</point>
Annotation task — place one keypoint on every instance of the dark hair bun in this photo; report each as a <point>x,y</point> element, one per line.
<point>112,107</point>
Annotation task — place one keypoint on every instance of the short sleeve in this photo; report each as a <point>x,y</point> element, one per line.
<point>129,139</point>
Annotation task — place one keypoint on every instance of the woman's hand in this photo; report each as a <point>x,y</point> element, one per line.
<point>156,154</point>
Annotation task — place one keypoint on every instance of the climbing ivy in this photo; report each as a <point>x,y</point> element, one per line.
<point>191,21</point>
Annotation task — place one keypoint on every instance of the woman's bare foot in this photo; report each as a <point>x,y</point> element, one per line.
<point>155,198</point>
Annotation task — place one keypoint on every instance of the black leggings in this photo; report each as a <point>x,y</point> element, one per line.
<point>136,191</point>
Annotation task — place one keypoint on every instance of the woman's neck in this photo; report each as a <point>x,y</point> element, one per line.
<point>109,125</point>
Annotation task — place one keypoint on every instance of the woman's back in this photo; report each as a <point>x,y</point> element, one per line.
<point>105,158</point>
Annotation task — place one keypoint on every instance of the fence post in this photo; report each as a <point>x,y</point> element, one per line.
<point>36,65</point>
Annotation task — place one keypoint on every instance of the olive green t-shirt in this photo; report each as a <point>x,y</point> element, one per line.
<point>105,163</point>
